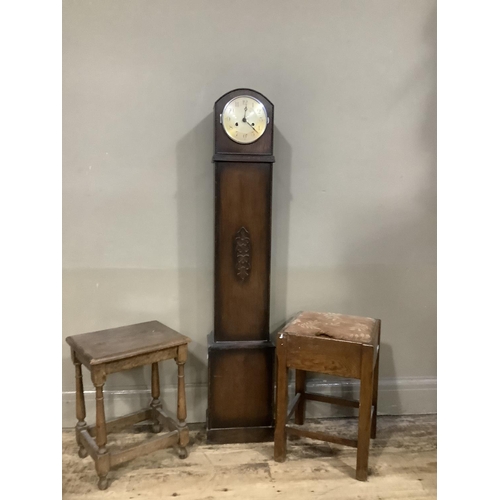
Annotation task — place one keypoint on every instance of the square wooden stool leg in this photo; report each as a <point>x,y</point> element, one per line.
<point>375,398</point>
<point>181,402</point>
<point>300,388</point>
<point>281,401</point>
<point>155,394</point>
<point>365,410</point>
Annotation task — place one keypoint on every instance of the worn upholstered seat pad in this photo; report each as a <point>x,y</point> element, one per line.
<point>336,326</point>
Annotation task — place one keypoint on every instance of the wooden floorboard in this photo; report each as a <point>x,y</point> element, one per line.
<point>402,466</point>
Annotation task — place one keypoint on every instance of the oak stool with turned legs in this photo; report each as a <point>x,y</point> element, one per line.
<point>334,344</point>
<point>115,350</point>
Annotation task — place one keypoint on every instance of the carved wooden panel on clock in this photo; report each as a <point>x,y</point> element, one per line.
<point>242,254</point>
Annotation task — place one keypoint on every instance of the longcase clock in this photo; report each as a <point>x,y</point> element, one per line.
<point>240,354</point>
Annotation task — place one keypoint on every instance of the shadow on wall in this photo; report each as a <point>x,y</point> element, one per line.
<point>195,222</point>
<point>280,232</point>
<point>281,201</point>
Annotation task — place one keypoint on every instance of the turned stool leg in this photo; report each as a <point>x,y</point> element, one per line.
<point>155,393</point>
<point>181,402</point>
<point>375,399</point>
<point>365,409</point>
<point>102,464</point>
<point>80,406</point>
<point>281,402</point>
<point>300,387</point>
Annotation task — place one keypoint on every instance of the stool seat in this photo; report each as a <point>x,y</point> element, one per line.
<point>124,342</point>
<point>335,326</point>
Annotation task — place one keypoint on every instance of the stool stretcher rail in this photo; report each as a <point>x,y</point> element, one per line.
<point>322,436</point>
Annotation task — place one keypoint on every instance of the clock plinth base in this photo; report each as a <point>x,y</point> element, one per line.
<point>240,435</point>
<point>240,391</point>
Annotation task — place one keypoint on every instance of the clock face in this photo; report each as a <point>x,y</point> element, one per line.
<point>244,119</point>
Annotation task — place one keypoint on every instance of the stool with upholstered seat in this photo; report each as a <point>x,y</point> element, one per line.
<point>334,344</point>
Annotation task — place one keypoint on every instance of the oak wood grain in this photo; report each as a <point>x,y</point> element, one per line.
<point>312,346</point>
<point>317,354</point>
<point>322,436</point>
<point>108,351</point>
<point>124,342</point>
<point>242,200</point>
<point>300,388</point>
<point>154,444</point>
<point>281,399</point>
<point>310,396</point>
<point>240,389</point>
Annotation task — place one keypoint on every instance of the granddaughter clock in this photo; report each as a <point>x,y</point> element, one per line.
<point>240,353</point>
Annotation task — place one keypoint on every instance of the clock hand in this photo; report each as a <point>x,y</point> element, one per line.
<point>251,126</point>
<point>246,121</point>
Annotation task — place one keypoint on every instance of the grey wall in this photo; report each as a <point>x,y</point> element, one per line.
<point>354,209</point>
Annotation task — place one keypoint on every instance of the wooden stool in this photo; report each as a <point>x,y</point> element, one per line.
<point>114,350</point>
<point>335,344</point>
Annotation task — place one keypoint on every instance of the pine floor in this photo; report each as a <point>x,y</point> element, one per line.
<point>402,466</point>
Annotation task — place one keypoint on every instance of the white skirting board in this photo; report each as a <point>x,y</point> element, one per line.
<point>402,396</point>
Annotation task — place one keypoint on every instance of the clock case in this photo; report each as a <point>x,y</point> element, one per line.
<point>240,353</point>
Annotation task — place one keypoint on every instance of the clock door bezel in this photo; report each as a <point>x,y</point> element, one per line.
<point>265,123</point>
